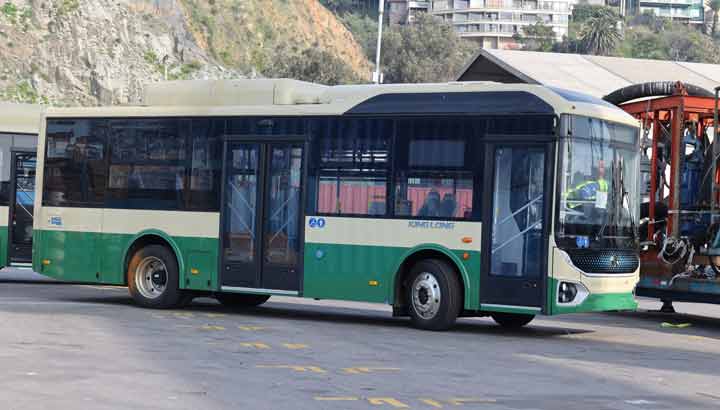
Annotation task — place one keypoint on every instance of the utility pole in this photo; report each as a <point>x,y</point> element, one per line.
<point>377,76</point>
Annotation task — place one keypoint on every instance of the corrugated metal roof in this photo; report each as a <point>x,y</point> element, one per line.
<point>594,75</point>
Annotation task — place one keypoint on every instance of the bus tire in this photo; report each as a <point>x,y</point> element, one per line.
<point>153,278</point>
<point>239,300</point>
<point>434,295</point>
<point>512,320</point>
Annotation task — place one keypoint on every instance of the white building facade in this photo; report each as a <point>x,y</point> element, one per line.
<point>493,23</point>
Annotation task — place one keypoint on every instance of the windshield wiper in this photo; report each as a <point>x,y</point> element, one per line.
<point>617,169</point>
<point>610,204</point>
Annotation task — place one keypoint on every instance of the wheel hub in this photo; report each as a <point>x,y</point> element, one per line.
<point>151,277</point>
<point>159,278</point>
<point>426,296</point>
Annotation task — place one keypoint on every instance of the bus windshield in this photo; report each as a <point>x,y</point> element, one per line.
<point>599,195</point>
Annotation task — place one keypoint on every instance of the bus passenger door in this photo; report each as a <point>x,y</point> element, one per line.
<point>261,220</point>
<point>22,200</point>
<point>514,246</point>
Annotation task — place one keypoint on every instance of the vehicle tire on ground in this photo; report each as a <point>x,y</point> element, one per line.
<point>512,320</point>
<point>153,278</point>
<point>434,295</point>
<point>241,299</point>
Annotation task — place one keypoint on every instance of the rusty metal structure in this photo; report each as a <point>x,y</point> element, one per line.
<point>680,256</point>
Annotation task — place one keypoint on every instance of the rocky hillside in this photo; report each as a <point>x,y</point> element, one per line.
<point>90,52</point>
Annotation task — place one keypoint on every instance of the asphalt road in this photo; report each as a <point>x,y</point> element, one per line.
<point>88,347</point>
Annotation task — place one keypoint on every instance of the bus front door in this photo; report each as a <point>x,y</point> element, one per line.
<point>514,267</point>
<point>22,200</point>
<point>261,216</point>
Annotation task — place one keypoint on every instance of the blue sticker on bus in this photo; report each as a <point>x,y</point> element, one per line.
<point>316,222</point>
<point>582,241</point>
<point>56,220</point>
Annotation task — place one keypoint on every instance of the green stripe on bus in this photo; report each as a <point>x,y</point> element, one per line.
<point>4,237</point>
<point>595,302</point>
<point>99,257</point>
<point>366,273</point>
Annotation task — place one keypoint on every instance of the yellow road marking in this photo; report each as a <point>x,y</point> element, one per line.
<point>212,327</point>
<point>461,401</point>
<point>312,369</point>
<point>432,403</point>
<point>213,315</point>
<point>347,398</point>
<point>256,345</point>
<point>295,346</point>
<point>379,401</point>
<point>366,370</point>
<point>183,315</point>
<point>251,328</point>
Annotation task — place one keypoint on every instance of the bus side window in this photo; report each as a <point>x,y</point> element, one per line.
<point>75,167</point>
<point>148,164</point>
<point>350,166</point>
<point>434,178</point>
<point>206,162</point>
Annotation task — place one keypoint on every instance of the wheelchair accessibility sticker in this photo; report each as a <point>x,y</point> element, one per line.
<point>316,223</point>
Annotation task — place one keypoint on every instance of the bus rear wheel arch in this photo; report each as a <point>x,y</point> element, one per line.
<point>153,277</point>
<point>432,293</point>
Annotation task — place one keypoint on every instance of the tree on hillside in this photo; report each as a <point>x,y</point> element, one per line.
<point>642,42</point>
<point>426,51</point>
<point>600,34</point>
<point>715,7</point>
<point>339,6</point>
<point>582,12</point>
<point>686,44</point>
<point>536,37</point>
<point>311,64</point>
<point>364,28</point>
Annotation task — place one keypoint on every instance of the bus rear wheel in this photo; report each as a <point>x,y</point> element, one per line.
<point>241,300</point>
<point>512,320</point>
<point>153,278</point>
<point>434,295</point>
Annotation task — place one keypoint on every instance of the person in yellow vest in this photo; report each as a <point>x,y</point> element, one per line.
<point>587,190</point>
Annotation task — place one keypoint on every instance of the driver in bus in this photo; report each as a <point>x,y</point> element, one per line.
<point>587,190</point>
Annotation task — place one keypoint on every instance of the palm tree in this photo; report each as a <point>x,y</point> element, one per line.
<point>715,7</point>
<point>600,34</point>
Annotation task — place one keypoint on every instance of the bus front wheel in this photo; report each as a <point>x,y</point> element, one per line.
<point>512,320</point>
<point>434,295</point>
<point>153,278</point>
<point>241,300</point>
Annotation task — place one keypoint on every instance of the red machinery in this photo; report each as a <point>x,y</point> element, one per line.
<point>680,201</point>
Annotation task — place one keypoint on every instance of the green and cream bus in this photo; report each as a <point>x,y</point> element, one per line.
<point>442,200</point>
<point>19,125</point>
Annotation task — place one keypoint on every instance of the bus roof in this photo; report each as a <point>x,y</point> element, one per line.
<point>285,97</point>
<point>20,118</point>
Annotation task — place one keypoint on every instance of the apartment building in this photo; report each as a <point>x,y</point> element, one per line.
<point>687,11</point>
<point>493,23</point>
<point>404,11</point>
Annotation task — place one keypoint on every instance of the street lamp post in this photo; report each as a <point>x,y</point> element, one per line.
<point>377,76</point>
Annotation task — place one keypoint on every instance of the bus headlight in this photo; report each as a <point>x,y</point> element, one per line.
<point>567,292</point>
<point>571,293</point>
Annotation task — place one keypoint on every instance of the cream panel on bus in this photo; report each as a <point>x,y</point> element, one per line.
<point>4,215</point>
<point>69,219</point>
<point>127,221</point>
<point>393,232</point>
<point>615,283</point>
<point>173,223</point>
